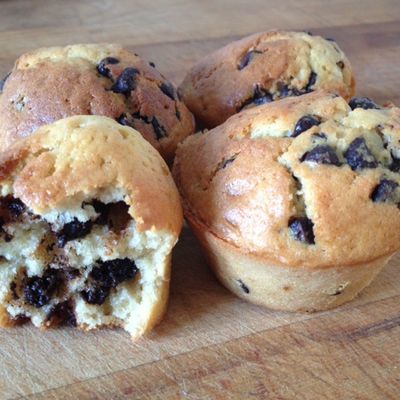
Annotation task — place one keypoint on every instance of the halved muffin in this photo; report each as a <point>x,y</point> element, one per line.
<point>89,214</point>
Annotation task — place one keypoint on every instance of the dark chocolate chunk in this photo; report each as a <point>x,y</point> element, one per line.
<point>362,102</point>
<point>109,274</point>
<point>38,291</point>
<point>126,82</point>
<point>359,156</point>
<point>102,209</point>
<point>73,230</point>
<point>3,81</point>
<point>340,64</point>
<point>64,314</point>
<point>285,91</point>
<point>311,82</point>
<point>158,129</point>
<point>260,96</point>
<point>322,154</point>
<point>178,114</point>
<point>71,273</point>
<point>152,64</point>
<point>102,67</point>
<point>248,58</point>
<point>243,286</point>
<point>302,229</point>
<point>395,165</point>
<point>96,295</point>
<point>320,135</point>
<point>304,124</point>
<point>384,191</point>
<point>16,207</point>
<point>168,89</point>
<point>125,120</point>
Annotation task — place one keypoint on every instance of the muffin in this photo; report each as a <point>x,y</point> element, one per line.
<point>296,203</point>
<point>261,68</point>
<point>92,79</point>
<point>89,214</point>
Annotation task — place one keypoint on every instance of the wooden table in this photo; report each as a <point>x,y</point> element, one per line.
<point>212,345</point>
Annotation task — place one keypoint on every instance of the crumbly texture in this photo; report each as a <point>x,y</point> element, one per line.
<point>92,79</point>
<point>319,198</point>
<point>261,68</point>
<point>89,215</point>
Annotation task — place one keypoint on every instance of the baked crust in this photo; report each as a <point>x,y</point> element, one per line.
<point>39,169</point>
<point>276,63</point>
<point>53,83</point>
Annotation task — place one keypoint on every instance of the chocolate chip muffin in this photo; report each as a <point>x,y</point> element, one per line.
<point>89,214</point>
<point>262,68</point>
<point>53,83</point>
<point>296,202</point>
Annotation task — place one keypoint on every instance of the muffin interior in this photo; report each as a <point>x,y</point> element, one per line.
<point>85,264</point>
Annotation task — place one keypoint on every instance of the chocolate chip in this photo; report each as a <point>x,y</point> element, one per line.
<point>102,67</point>
<point>3,81</point>
<point>168,89</point>
<point>126,82</point>
<point>384,191</point>
<point>359,156</point>
<point>225,162</point>
<point>16,207</point>
<point>73,230</point>
<point>248,58</point>
<point>243,286</point>
<point>178,114</point>
<point>158,129</point>
<point>302,229</point>
<point>340,64</point>
<point>71,273</point>
<point>109,274</point>
<point>152,64</point>
<point>96,295</point>
<point>323,154</point>
<point>285,91</point>
<point>395,165</point>
<point>125,120</point>
<point>38,291</point>
<point>311,82</point>
<point>102,209</point>
<point>304,124</point>
<point>260,96</point>
<point>362,102</point>
<point>64,313</point>
<point>320,135</point>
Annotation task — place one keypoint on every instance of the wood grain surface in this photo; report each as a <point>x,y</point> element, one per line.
<point>212,345</point>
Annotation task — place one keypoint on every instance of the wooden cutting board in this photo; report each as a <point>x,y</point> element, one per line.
<point>212,345</point>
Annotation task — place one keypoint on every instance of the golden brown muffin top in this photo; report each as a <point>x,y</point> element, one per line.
<point>91,157</point>
<point>263,67</point>
<point>305,181</point>
<point>100,79</point>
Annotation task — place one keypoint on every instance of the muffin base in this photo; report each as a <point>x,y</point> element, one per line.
<point>278,287</point>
